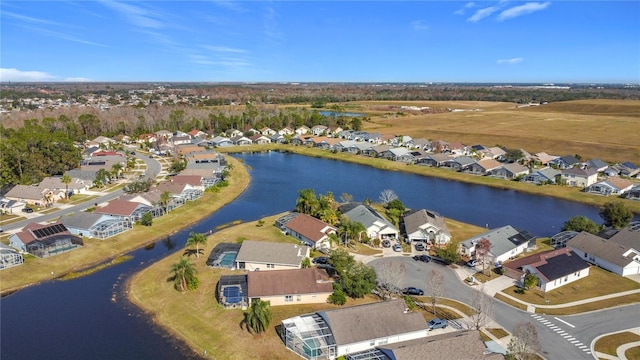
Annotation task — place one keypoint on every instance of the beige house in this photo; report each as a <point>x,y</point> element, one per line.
<point>579,177</point>
<point>289,287</point>
<point>263,255</point>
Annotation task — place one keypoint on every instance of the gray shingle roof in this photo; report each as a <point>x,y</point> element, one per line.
<point>414,221</point>
<point>596,246</point>
<point>80,220</point>
<point>457,345</point>
<point>503,239</point>
<point>372,321</point>
<point>367,217</point>
<point>266,252</point>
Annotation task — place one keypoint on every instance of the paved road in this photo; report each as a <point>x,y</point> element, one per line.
<point>153,169</point>
<point>562,337</point>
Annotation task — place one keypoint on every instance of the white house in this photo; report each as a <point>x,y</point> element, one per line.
<point>620,254</point>
<point>506,242</point>
<point>376,225</point>
<point>263,255</point>
<point>425,225</point>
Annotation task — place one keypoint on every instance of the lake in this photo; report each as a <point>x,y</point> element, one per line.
<point>337,114</point>
<point>79,319</point>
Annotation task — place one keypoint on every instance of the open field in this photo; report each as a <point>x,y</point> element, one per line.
<point>196,317</point>
<point>605,129</point>
<point>96,251</point>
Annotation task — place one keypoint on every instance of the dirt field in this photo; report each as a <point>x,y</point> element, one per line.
<point>605,129</point>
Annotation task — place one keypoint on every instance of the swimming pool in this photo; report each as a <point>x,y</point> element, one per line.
<point>228,258</point>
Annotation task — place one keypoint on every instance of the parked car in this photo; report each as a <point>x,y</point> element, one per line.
<point>321,260</point>
<point>423,258</point>
<point>386,243</point>
<point>27,210</point>
<point>397,247</point>
<point>437,324</point>
<point>419,246</point>
<point>413,291</point>
<point>471,263</point>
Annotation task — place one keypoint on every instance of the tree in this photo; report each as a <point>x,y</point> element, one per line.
<point>449,254</point>
<point>306,263</point>
<point>356,124</point>
<point>258,317</point>
<point>513,155</point>
<point>530,280</point>
<point>196,239</point>
<point>616,215</point>
<point>391,278</point>
<point>66,180</point>
<point>483,305</point>
<point>102,176</point>
<point>184,275</point>
<point>581,223</point>
<point>146,219</point>
<point>436,288</point>
<point>483,248</point>
<point>358,280</point>
<point>387,195</point>
<point>524,344</point>
<point>165,199</point>
<point>338,296</point>
<point>307,202</point>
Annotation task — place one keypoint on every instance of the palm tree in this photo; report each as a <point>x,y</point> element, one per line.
<point>258,317</point>
<point>196,239</point>
<point>66,180</point>
<point>165,198</point>
<point>184,275</point>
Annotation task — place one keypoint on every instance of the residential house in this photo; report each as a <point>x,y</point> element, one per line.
<point>554,268</point>
<point>349,146</point>
<point>28,194</point>
<point>9,257</point>
<point>456,345</point>
<point>495,152</point>
<point>422,144</point>
<point>377,151</point>
<point>547,175</point>
<point>165,134</point>
<point>633,194</point>
<point>596,164</point>
<point>319,130</point>
<point>579,177</point>
<point>221,141</point>
<point>266,131</point>
<point>612,186</point>
<point>483,167</point>
<point>55,184</point>
<point>458,149</point>
<point>278,138</point>
<point>626,169</point>
<point>290,287</point>
<point>506,242</point>
<point>241,140</point>
<point>398,154</point>
<point>286,131</point>
<point>94,225</point>
<point>435,160</point>
<point>565,162</point>
<point>123,210</point>
<point>310,231</point>
<point>44,240</point>
<point>542,158</point>
<point>180,191</point>
<point>620,257</point>
<point>440,147</point>
<point>510,171</point>
<point>302,130</point>
<point>260,139</point>
<point>460,163</point>
<point>377,227</point>
<point>195,133</point>
<point>263,255</point>
<point>179,140</point>
<point>340,332</point>
<point>425,225</point>
<point>231,133</point>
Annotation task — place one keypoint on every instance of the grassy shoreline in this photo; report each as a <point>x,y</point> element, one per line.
<point>556,191</point>
<point>97,252</point>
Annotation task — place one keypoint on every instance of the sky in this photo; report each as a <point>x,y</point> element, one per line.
<point>320,41</point>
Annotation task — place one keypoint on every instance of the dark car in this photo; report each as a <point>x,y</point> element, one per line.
<point>419,246</point>
<point>321,260</point>
<point>412,291</point>
<point>437,324</point>
<point>27,209</point>
<point>386,243</point>
<point>423,258</point>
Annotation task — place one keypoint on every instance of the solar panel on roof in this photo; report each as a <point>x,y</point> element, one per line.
<point>49,230</point>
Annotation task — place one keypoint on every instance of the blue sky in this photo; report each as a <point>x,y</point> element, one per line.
<point>321,41</point>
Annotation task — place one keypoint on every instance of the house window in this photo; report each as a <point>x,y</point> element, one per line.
<point>270,266</point>
<point>288,298</point>
<point>566,279</point>
<point>313,296</point>
<point>383,341</point>
<point>372,343</point>
<point>298,297</point>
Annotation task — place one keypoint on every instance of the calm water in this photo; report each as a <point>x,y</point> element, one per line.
<point>78,319</point>
<point>347,114</point>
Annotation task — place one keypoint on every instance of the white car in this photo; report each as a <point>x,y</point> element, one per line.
<point>397,247</point>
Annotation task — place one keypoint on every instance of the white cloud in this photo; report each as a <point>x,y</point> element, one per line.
<point>30,19</point>
<point>482,13</point>
<point>418,25</point>
<point>462,10</point>
<point>137,15</point>
<point>230,5</point>
<point>224,49</point>
<point>510,61</point>
<point>271,27</point>
<point>524,9</point>
<point>77,79</point>
<point>12,74</point>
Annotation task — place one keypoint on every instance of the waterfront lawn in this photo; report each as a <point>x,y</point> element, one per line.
<point>197,318</point>
<point>599,282</point>
<point>95,251</point>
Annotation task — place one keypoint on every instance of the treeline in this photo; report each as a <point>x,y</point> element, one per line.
<point>35,151</point>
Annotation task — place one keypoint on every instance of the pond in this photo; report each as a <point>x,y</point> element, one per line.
<point>88,318</point>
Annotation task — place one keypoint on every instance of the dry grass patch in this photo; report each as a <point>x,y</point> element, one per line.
<point>610,343</point>
<point>464,308</point>
<point>499,333</point>
<point>508,301</point>
<point>591,306</point>
<point>95,252</point>
<point>599,282</point>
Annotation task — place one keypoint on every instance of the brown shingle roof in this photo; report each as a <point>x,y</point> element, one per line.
<point>193,180</point>
<point>310,227</point>
<point>288,282</point>
<point>372,321</point>
<point>118,207</point>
